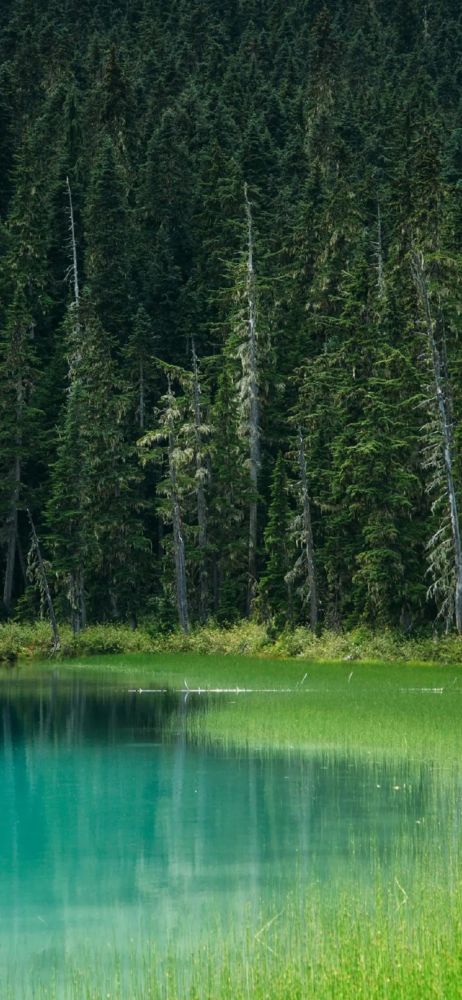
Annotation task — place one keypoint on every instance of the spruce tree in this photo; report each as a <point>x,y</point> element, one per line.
<point>93,516</point>
<point>25,303</point>
<point>108,278</point>
<point>275,587</point>
<point>229,499</point>
<point>165,447</point>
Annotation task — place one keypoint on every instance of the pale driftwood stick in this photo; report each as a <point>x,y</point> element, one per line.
<point>237,690</point>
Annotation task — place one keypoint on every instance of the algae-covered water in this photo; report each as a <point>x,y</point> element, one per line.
<point>117,830</point>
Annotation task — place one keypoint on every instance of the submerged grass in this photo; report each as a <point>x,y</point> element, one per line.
<point>401,944</point>
<point>382,710</point>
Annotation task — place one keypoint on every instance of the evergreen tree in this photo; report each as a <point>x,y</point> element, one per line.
<point>24,287</point>
<point>275,588</point>
<point>176,486</point>
<point>138,365</point>
<point>94,521</point>
<point>108,278</point>
<point>445,546</point>
<point>245,344</point>
<point>229,497</point>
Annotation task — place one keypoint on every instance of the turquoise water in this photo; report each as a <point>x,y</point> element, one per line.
<point>114,830</point>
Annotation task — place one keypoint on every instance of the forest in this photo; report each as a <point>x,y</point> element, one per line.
<point>230,312</point>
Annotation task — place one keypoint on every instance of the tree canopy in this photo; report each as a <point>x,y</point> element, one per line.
<point>251,186</point>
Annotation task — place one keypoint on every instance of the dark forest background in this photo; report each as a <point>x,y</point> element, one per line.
<point>298,163</point>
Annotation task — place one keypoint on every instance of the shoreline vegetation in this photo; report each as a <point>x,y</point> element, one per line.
<point>20,640</point>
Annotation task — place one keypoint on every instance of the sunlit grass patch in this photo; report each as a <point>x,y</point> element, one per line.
<point>403,711</point>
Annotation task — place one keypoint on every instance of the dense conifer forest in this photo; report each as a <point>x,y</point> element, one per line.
<point>230,311</point>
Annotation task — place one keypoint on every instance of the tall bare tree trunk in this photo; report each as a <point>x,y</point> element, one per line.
<point>201,473</point>
<point>308,533</point>
<point>73,245</point>
<point>254,415</point>
<point>178,540</point>
<point>76,581</point>
<point>443,408</point>
<point>77,601</point>
<point>44,586</point>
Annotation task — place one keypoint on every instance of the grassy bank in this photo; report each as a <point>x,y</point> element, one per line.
<point>33,641</point>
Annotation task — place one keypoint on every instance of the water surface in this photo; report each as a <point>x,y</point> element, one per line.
<point>114,830</point>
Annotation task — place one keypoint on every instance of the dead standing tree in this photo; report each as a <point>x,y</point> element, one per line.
<point>439,457</point>
<point>76,591</point>
<point>307,532</point>
<point>302,530</point>
<point>178,541</point>
<point>201,477</point>
<point>250,404</point>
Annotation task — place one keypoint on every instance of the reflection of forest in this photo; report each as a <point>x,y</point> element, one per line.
<point>109,830</point>
<point>73,711</point>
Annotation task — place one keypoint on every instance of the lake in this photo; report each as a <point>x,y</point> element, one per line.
<point>116,830</point>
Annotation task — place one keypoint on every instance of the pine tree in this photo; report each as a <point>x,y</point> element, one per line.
<point>94,521</point>
<point>229,499</point>
<point>201,433</point>
<point>108,278</point>
<point>445,546</point>
<point>24,285</point>
<point>302,533</point>
<point>275,588</point>
<point>356,408</point>
<point>164,446</point>
<point>244,345</point>
<point>139,368</point>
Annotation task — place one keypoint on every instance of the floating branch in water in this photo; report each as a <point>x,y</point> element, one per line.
<point>236,690</point>
<point>422,690</point>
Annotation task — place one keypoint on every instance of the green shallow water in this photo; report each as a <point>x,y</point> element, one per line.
<point>115,830</point>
